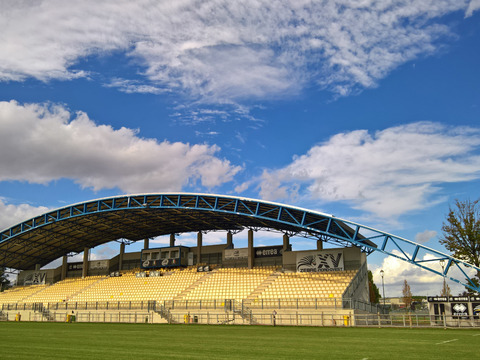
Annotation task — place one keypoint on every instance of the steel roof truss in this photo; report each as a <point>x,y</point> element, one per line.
<point>193,212</point>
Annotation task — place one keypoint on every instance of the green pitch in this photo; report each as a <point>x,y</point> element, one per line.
<point>26,340</point>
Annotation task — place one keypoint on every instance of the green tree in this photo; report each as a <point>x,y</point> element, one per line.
<point>407,295</point>
<point>373,289</point>
<point>4,282</point>
<point>461,233</point>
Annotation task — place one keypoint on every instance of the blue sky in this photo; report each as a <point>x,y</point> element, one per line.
<point>368,110</point>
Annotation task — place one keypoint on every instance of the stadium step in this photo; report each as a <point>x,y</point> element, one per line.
<point>72,296</point>
<point>35,293</point>
<point>263,286</point>
<point>193,286</point>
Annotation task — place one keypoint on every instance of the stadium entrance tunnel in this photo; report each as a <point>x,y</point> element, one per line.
<point>36,242</point>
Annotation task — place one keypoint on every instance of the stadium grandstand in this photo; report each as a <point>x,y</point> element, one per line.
<point>204,283</point>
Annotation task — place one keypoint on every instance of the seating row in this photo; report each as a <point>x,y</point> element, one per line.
<point>187,284</point>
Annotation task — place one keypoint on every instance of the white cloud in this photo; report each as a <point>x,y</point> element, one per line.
<point>41,143</point>
<point>134,86</point>
<point>473,6</point>
<point>194,114</point>
<point>396,271</point>
<point>222,51</point>
<point>389,173</point>
<point>206,133</point>
<point>425,236</point>
<point>421,281</point>
<point>13,214</point>
<point>242,187</point>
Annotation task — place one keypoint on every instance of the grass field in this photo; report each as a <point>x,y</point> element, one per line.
<point>26,340</point>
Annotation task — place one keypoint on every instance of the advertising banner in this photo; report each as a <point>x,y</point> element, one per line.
<point>268,251</point>
<point>437,299</point>
<point>458,298</point>
<point>328,260</point>
<point>75,266</point>
<point>160,263</point>
<point>460,310</point>
<point>36,278</point>
<point>236,254</point>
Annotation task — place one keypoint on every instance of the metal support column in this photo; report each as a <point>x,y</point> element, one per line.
<point>286,242</point>
<point>199,247</point>
<point>120,256</point>
<point>250,249</point>
<point>319,245</point>
<point>64,267</point>
<point>85,262</point>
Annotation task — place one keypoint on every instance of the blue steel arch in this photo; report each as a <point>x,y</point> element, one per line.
<point>55,233</point>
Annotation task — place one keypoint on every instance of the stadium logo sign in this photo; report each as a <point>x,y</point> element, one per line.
<point>268,251</point>
<point>324,261</point>
<point>460,310</point>
<point>236,254</point>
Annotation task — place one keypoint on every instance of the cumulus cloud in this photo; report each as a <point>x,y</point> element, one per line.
<point>425,236</point>
<point>222,51</point>
<point>388,173</point>
<point>13,214</point>
<point>421,281</point>
<point>41,143</point>
<point>396,271</point>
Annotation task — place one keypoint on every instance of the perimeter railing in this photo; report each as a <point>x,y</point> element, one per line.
<point>217,304</point>
<point>290,318</point>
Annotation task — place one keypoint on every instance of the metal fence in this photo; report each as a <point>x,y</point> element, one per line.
<point>93,305</point>
<point>298,318</point>
<point>260,304</point>
<point>333,320</point>
<point>90,317</point>
<point>115,317</point>
<point>218,304</point>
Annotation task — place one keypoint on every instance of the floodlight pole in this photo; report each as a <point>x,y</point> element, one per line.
<point>382,273</point>
<point>442,263</point>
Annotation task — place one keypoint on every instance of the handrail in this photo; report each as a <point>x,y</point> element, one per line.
<point>356,281</point>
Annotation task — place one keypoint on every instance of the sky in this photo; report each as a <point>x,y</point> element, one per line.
<point>368,110</point>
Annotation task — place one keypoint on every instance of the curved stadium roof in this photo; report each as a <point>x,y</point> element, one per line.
<point>49,236</point>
